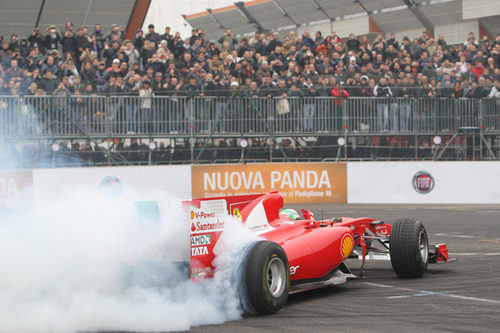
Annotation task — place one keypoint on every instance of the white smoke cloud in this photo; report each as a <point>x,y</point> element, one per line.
<point>84,261</point>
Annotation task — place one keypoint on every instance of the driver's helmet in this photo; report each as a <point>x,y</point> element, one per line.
<point>290,214</point>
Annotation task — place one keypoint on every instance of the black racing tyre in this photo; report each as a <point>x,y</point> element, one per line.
<point>266,279</point>
<point>409,248</point>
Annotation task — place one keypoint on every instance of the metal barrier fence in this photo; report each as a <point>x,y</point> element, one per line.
<point>112,116</point>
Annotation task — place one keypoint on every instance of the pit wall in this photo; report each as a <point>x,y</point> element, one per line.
<point>305,183</point>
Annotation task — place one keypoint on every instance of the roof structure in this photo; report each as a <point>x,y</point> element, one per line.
<point>22,16</point>
<point>389,15</point>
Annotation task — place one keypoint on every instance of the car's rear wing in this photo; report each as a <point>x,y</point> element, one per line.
<point>207,218</point>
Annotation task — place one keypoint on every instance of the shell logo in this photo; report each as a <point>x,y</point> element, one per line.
<point>192,215</point>
<point>346,245</point>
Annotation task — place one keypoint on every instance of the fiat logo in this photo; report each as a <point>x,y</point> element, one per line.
<point>423,182</point>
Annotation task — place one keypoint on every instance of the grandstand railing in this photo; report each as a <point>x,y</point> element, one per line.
<point>116,116</point>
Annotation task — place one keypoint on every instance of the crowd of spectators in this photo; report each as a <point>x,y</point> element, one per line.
<point>91,61</point>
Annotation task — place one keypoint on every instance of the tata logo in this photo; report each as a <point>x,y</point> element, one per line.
<point>199,251</point>
<point>423,182</point>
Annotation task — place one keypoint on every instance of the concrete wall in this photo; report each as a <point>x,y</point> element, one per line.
<point>457,33</point>
<point>480,8</point>
<point>357,26</point>
<point>414,33</point>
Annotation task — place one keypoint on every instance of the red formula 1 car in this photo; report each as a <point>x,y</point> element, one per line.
<point>300,253</point>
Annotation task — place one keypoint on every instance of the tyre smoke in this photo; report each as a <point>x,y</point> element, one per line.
<point>89,260</point>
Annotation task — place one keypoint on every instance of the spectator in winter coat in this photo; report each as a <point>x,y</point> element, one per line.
<point>152,35</point>
<point>52,39</point>
<point>382,90</point>
<point>476,91</point>
<point>478,70</point>
<point>308,91</point>
<point>340,94</point>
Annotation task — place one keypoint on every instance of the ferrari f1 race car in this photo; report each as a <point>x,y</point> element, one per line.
<point>300,253</point>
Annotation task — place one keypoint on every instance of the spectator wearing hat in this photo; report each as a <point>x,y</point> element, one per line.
<point>36,40</point>
<point>152,35</point>
<point>100,76</point>
<point>52,38</point>
<point>138,39</point>
<point>263,71</point>
<point>116,33</point>
<point>98,39</point>
<point>114,70</point>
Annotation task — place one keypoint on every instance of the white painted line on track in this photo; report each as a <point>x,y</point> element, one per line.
<point>419,292</point>
<point>468,298</point>
<point>474,254</point>
<point>456,236</point>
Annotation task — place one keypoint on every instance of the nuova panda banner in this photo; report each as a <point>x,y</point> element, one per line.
<point>297,182</point>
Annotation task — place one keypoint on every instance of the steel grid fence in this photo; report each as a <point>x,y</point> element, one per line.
<point>76,116</point>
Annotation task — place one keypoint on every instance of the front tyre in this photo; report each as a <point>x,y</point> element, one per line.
<point>267,279</point>
<point>409,248</point>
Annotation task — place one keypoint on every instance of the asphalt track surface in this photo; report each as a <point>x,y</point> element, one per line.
<point>463,296</point>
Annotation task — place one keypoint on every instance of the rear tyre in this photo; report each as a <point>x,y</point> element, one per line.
<point>267,279</point>
<point>409,248</point>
